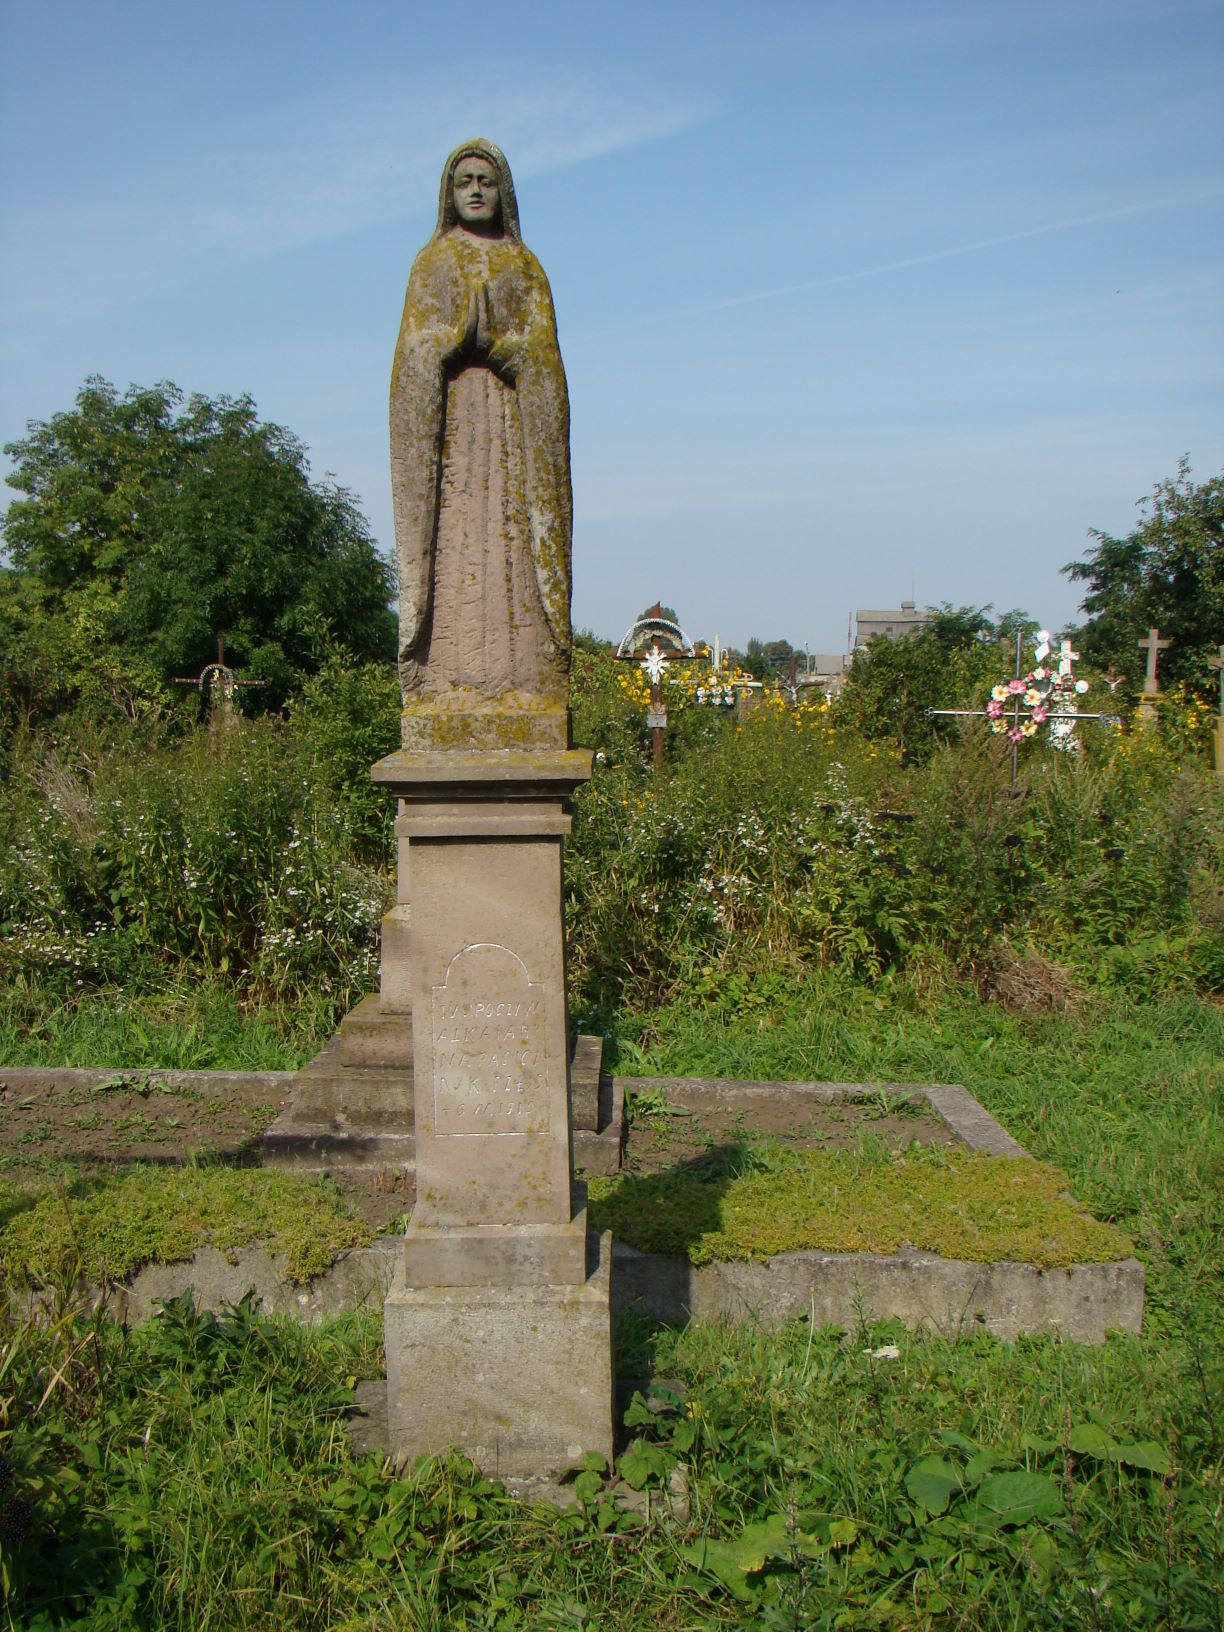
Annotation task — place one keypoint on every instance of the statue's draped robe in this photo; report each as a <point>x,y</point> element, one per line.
<point>480,473</point>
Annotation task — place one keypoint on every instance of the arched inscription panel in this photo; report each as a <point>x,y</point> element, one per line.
<point>490,1065</point>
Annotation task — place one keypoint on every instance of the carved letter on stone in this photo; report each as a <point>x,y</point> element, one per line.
<point>489,1046</point>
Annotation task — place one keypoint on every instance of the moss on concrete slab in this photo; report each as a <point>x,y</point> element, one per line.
<point>108,1228</point>
<point>960,1205</point>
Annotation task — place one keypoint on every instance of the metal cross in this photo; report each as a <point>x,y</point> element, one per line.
<point>1017,702</point>
<point>220,682</point>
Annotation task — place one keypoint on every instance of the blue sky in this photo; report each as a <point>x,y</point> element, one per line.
<point>854,298</point>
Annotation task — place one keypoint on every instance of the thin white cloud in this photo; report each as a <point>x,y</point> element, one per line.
<point>306,173</point>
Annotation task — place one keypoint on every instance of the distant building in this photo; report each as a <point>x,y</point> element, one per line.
<point>826,670</point>
<point>907,620</point>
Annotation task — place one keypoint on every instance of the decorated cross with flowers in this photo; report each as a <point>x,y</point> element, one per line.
<point>1046,695</point>
<point>1018,707</point>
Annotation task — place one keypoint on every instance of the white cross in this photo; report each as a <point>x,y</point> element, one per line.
<point>1066,657</point>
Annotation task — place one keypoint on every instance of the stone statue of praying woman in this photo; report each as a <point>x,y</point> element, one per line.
<point>480,470</point>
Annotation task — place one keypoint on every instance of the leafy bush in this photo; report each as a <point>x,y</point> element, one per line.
<point>348,719</point>
<point>124,862</point>
<point>789,841</point>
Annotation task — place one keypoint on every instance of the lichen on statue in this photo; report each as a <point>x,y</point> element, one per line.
<point>480,476</point>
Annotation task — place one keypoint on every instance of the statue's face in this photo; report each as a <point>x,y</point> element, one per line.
<point>477,195</point>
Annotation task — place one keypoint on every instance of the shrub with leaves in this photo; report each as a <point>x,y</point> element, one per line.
<point>129,862</point>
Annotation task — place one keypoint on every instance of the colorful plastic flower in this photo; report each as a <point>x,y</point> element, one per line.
<point>993,709</point>
<point>1015,687</point>
<point>1000,694</point>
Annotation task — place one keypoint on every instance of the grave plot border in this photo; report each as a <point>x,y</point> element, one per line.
<point>1083,1303</point>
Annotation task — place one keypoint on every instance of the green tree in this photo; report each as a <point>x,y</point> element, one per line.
<point>767,660</point>
<point>955,627</point>
<point>1167,572</point>
<point>893,683</point>
<point>150,522</point>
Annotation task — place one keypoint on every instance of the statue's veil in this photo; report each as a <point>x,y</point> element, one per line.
<point>446,197</point>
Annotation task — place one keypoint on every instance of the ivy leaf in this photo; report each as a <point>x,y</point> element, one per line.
<point>638,1414</point>
<point>684,1434</point>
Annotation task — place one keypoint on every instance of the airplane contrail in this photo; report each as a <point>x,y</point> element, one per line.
<point>912,260</point>
<point>957,249</point>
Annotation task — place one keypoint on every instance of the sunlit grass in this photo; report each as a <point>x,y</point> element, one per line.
<point>190,1025</point>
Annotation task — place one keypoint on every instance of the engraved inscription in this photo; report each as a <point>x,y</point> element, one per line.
<point>489,1046</point>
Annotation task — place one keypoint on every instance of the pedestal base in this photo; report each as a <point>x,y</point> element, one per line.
<point>519,1378</point>
<point>497,1254</point>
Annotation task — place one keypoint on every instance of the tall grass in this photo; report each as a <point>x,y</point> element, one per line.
<point>191,1026</point>
<point>195,1472</point>
<point>786,900</point>
<point>136,862</point>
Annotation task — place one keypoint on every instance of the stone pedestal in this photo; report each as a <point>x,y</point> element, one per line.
<point>518,1376</point>
<point>497,1331</point>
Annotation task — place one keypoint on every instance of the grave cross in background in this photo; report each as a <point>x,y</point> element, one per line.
<point>218,682</point>
<point>1151,686</point>
<point>652,642</point>
<point>1217,663</point>
<point>1015,714</point>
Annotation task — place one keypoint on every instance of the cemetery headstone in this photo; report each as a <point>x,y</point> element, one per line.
<point>497,1324</point>
<point>1151,685</point>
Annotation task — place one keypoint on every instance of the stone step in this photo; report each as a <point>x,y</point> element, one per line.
<point>370,1037</point>
<point>352,1107</point>
<point>322,1150</point>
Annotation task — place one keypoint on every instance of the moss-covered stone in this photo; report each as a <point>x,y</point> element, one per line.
<point>107,1229</point>
<point>961,1205</point>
